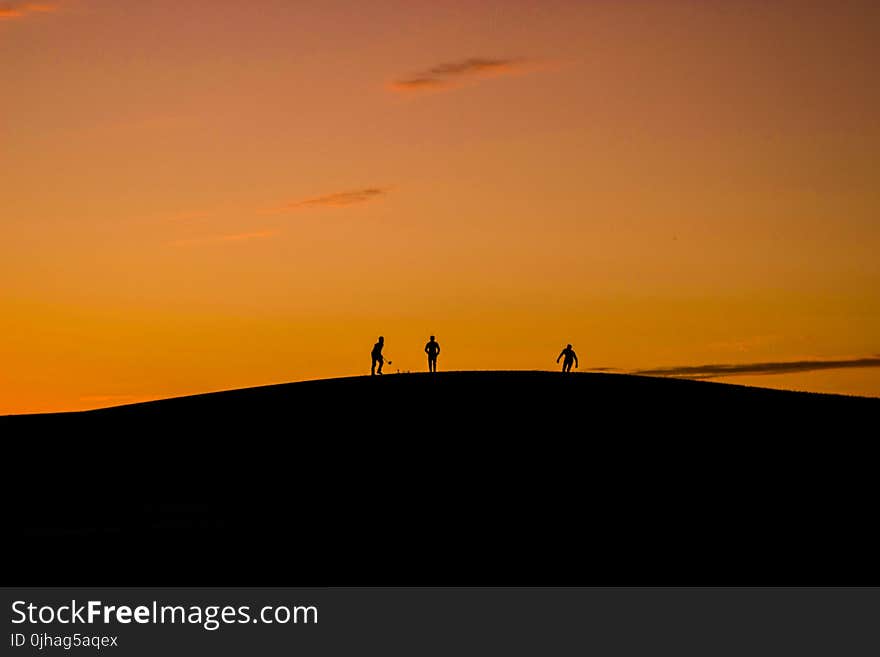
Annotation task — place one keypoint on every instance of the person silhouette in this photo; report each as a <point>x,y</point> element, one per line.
<point>433,350</point>
<point>570,357</point>
<point>378,359</point>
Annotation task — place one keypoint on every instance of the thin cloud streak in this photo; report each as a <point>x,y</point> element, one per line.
<point>337,199</point>
<point>474,65</point>
<point>10,10</point>
<point>414,84</point>
<point>450,74</point>
<point>334,200</point>
<point>718,370</point>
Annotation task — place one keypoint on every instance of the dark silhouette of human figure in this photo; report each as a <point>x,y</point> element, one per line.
<point>433,350</point>
<point>570,357</point>
<point>378,359</point>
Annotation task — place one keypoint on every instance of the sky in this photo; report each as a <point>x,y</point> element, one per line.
<point>202,195</point>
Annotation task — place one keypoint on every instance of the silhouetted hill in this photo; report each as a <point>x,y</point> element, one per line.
<point>460,477</point>
<point>463,398</point>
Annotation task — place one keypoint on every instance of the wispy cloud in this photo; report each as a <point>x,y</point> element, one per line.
<point>418,84</point>
<point>474,65</point>
<point>192,218</point>
<point>335,200</point>
<point>233,237</point>
<point>451,74</point>
<point>715,371</point>
<point>9,10</point>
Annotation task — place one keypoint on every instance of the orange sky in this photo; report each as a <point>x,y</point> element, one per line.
<point>199,195</point>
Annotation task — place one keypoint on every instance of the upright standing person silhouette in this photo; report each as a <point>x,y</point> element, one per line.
<point>570,357</point>
<point>433,350</point>
<point>378,359</point>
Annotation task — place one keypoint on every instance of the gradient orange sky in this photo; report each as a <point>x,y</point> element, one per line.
<point>199,195</point>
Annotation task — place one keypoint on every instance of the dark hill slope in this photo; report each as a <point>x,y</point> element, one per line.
<point>462,477</point>
<point>410,403</point>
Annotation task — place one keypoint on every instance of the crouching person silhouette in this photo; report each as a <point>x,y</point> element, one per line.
<point>570,357</point>
<point>378,359</point>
